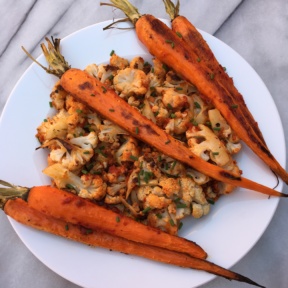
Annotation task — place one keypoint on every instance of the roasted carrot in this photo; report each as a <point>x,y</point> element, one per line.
<point>189,33</point>
<point>169,48</point>
<point>20,211</point>
<point>71,208</point>
<point>94,94</point>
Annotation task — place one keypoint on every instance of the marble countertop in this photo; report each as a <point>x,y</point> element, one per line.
<point>257,30</point>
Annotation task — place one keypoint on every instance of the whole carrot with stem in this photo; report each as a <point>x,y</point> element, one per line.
<point>189,33</point>
<point>169,48</point>
<point>20,211</point>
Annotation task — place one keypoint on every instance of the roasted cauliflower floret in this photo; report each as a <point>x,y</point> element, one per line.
<point>200,109</point>
<point>176,82</point>
<point>94,122</point>
<point>77,116</point>
<point>179,122</point>
<point>74,154</point>
<point>104,73</point>
<point>58,96</point>
<point>156,202</point>
<point>170,187</point>
<point>147,111</point>
<point>116,174</point>
<point>118,61</point>
<point>128,151</point>
<point>110,132</point>
<point>87,186</point>
<point>172,99</point>
<point>162,115</point>
<point>55,127</point>
<point>170,166</point>
<point>198,177</point>
<point>159,69</point>
<point>141,64</point>
<point>194,194</point>
<point>199,210</point>
<point>205,144</point>
<point>224,131</point>
<point>116,188</point>
<point>163,220</point>
<point>131,82</point>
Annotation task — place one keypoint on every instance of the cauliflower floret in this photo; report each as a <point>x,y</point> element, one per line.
<point>94,187</point>
<point>195,196</point>
<point>110,132</point>
<point>141,64</point>
<point>170,166</point>
<point>116,188</point>
<point>77,116</point>
<point>116,174</point>
<point>172,99</point>
<point>118,62</point>
<point>199,210</point>
<point>131,82</point>
<point>156,202</point>
<point>132,181</point>
<point>112,200</point>
<point>144,175</point>
<point>148,165</point>
<point>170,187</point>
<point>86,186</point>
<point>224,131</point>
<point>217,121</point>
<point>93,70</point>
<point>74,154</point>
<point>147,111</point>
<point>152,197</point>
<point>163,220</point>
<point>154,82</point>
<point>175,81</point>
<point>205,144</point>
<point>104,73</point>
<point>128,151</point>
<point>233,148</point>
<point>179,122</point>
<point>191,192</point>
<point>200,109</point>
<point>198,177</point>
<point>159,69</point>
<point>87,142</point>
<point>143,191</point>
<point>58,96</point>
<point>162,115</point>
<point>94,121</point>
<point>55,127</point>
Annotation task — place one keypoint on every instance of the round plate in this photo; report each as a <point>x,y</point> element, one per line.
<point>235,223</point>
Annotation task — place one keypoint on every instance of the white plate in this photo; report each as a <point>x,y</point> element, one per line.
<point>235,223</point>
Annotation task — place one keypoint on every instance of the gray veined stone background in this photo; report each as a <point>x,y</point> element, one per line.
<point>256,29</point>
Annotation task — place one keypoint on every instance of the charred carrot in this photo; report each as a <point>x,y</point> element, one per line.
<point>20,211</point>
<point>189,33</point>
<point>89,90</point>
<point>164,44</point>
<point>73,209</point>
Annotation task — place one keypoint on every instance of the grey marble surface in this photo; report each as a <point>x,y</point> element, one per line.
<point>256,29</point>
